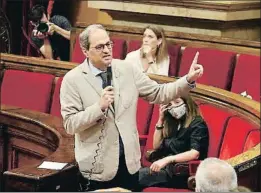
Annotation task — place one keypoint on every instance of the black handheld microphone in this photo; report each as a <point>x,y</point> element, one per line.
<point>109,76</point>
<point>109,79</point>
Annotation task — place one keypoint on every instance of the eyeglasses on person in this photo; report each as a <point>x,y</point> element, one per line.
<point>100,47</point>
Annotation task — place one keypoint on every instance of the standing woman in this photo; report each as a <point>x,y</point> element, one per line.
<point>180,135</point>
<point>153,56</point>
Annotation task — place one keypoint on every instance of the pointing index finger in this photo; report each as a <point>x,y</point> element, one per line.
<point>195,60</point>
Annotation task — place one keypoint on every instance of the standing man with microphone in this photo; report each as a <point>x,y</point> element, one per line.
<point>103,117</point>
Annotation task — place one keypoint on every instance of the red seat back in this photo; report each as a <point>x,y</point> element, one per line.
<point>173,51</point>
<point>133,45</point>
<point>29,90</point>
<point>143,116</point>
<point>149,143</point>
<point>119,48</point>
<point>216,120</point>
<point>239,135</point>
<point>247,76</point>
<point>218,66</point>
<point>56,105</point>
<point>252,139</point>
<point>77,54</point>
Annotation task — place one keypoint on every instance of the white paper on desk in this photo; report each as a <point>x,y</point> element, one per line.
<point>52,165</point>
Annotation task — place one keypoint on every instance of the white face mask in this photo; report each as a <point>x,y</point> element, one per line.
<point>178,112</point>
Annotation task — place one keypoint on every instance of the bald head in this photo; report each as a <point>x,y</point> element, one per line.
<point>215,175</point>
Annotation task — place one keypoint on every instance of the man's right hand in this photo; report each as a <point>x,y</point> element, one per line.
<point>107,97</point>
<point>195,71</point>
<point>38,34</point>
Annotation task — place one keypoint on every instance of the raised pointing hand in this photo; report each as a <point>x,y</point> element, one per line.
<point>195,71</point>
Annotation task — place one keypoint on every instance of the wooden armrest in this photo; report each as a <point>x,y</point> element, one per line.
<point>186,168</point>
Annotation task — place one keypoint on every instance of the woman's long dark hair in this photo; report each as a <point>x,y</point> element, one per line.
<point>191,113</point>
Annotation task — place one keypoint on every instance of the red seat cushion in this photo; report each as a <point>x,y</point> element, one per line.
<point>119,48</point>
<point>29,90</point>
<point>234,144</point>
<point>77,54</point>
<point>149,143</point>
<point>158,189</point>
<point>133,45</point>
<point>56,105</point>
<point>218,66</point>
<point>247,76</point>
<point>216,120</point>
<point>173,51</point>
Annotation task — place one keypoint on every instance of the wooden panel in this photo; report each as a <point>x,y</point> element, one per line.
<point>210,5</point>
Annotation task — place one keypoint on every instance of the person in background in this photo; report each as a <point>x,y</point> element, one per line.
<point>55,42</point>
<point>102,116</point>
<point>215,175</point>
<point>180,135</point>
<point>153,56</point>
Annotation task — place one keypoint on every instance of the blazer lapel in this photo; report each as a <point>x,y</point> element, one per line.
<point>92,80</point>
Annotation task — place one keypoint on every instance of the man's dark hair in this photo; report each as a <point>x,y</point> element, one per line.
<point>36,13</point>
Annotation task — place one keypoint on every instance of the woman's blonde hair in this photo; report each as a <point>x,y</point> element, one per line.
<point>191,113</point>
<point>162,49</point>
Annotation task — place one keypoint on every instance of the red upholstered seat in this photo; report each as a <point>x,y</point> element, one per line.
<point>119,48</point>
<point>253,138</point>
<point>29,90</point>
<point>149,143</point>
<point>143,116</point>
<point>216,120</point>
<point>77,54</point>
<point>239,136</point>
<point>218,66</point>
<point>56,105</point>
<point>158,189</point>
<point>133,45</point>
<point>173,51</point>
<point>247,76</point>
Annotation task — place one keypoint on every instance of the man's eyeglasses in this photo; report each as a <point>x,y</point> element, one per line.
<point>100,47</point>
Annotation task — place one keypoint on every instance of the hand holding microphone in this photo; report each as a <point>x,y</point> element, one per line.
<point>107,97</point>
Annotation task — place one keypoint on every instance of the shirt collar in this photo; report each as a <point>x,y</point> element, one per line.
<point>95,71</point>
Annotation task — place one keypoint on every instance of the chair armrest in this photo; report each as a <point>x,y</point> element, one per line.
<point>186,168</point>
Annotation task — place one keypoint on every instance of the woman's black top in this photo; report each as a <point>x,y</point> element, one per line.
<point>195,137</point>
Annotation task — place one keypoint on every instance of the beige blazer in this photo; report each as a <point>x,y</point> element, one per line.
<point>79,95</point>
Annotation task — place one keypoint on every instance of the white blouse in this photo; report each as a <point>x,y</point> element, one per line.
<point>155,68</point>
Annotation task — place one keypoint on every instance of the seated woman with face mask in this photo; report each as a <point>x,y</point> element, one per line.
<point>180,135</point>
